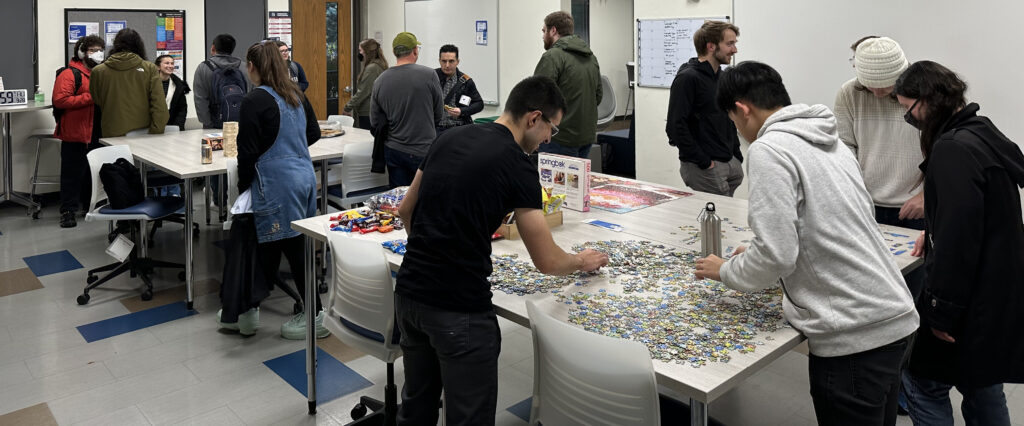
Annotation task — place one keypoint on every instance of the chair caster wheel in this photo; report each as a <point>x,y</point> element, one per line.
<point>358,412</point>
<point>321,288</point>
<point>35,214</point>
<point>181,276</point>
<point>91,279</point>
<point>296,309</point>
<point>147,295</point>
<point>83,299</point>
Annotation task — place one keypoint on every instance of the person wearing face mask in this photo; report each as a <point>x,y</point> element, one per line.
<point>374,64</point>
<point>450,336</point>
<point>77,128</point>
<point>973,245</point>
<point>175,90</point>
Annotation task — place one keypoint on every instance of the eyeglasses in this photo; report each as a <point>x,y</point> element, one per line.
<point>94,50</point>
<point>853,61</point>
<point>554,128</point>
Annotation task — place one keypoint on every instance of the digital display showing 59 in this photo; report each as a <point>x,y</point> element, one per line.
<point>14,97</point>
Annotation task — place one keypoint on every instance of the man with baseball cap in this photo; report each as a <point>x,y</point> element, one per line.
<point>406,101</point>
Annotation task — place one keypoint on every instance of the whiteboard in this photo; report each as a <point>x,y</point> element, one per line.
<point>471,25</point>
<point>663,45</point>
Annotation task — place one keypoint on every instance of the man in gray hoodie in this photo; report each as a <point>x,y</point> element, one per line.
<point>202,91</point>
<point>815,234</point>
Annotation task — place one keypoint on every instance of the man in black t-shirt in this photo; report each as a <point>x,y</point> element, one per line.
<point>471,177</point>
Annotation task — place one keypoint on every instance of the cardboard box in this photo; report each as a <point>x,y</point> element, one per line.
<point>216,140</point>
<point>566,175</point>
<point>511,232</point>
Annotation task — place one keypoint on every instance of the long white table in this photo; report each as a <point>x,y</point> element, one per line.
<point>179,154</point>
<point>8,193</point>
<point>661,224</point>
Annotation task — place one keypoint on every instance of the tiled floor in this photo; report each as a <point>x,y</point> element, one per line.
<point>183,370</point>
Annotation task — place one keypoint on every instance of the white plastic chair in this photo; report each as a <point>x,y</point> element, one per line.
<point>345,120</point>
<point>606,109</point>
<point>361,313</point>
<point>613,384</point>
<point>151,208</point>
<point>357,182</point>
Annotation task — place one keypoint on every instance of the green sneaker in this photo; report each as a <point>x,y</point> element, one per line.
<point>295,328</point>
<point>247,323</point>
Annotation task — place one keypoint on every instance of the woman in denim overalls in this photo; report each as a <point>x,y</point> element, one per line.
<point>276,173</point>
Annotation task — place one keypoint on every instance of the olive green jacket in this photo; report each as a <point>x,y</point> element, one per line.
<point>130,95</point>
<point>360,102</point>
<point>574,68</point>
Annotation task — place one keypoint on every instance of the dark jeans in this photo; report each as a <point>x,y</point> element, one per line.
<point>294,250</point>
<point>929,403</point>
<point>75,177</point>
<point>572,151</point>
<point>454,351</point>
<point>363,122</point>
<point>401,167</point>
<point>860,388</point>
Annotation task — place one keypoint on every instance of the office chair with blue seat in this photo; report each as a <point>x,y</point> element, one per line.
<point>151,208</point>
<point>361,313</point>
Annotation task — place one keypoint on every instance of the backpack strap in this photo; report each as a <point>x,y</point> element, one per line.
<point>210,65</point>
<point>78,78</point>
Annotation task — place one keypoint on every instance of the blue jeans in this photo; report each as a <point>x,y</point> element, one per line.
<point>401,167</point>
<point>930,405</point>
<point>454,351</point>
<point>572,151</point>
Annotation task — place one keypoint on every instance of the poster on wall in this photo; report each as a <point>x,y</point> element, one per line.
<point>110,29</point>
<point>279,27</point>
<point>179,61</point>
<point>77,30</point>
<point>481,33</point>
<point>170,31</point>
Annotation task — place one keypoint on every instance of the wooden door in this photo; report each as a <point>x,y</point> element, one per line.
<point>321,42</point>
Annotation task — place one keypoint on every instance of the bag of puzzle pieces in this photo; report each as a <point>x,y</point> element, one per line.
<point>387,201</point>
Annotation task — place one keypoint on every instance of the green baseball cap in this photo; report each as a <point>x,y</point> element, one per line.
<point>406,40</point>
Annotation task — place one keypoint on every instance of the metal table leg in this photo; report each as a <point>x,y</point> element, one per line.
<point>8,178</point>
<point>188,242</point>
<point>698,413</point>
<point>310,325</point>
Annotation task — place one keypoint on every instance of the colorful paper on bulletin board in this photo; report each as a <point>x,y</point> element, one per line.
<point>625,195</point>
<point>175,45</point>
<point>179,29</point>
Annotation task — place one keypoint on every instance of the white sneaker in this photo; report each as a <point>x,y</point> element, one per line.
<point>247,323</point>
<point>295,328</point>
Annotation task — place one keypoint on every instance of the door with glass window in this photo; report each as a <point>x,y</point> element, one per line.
<point>321,43</point>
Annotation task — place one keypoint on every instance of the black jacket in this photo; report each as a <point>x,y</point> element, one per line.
<point>695,125</point>
<point>179,106</point>
<point>464,86</point>
<point>974,256</point>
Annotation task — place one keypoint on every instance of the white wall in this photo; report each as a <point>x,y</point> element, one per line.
<point>611,39</point>
<point>656,161</point>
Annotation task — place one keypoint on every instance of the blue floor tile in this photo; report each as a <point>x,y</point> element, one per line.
<point>52,263</point>
<point>522,409</point>
<point>333,379</point>
<point>134,321</point>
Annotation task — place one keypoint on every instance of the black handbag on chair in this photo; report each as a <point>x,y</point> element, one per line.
<point>123,184</point>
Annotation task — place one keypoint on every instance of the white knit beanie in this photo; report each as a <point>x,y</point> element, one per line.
<point>879,62</point>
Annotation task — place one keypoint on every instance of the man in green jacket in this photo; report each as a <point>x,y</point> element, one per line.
<point>569,61</point>
<point>128,89</point>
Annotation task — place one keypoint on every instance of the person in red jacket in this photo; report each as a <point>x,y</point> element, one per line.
<point>77,128</point>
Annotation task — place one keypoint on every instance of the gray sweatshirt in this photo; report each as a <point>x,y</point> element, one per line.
<point>407,98</point>
<point>815,233</point>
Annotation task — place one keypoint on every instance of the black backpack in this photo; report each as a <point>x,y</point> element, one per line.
<point>123,184</point>
<point>227,89</point>
<point>58,113</point>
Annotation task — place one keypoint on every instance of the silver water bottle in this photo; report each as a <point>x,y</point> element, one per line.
<point>710,231</point>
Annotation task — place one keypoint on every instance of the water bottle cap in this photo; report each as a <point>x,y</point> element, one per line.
<point>710,207</point>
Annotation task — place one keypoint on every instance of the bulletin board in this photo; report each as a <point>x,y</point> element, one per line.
<point>471,25</point>
<point>663,45</point>
<point>162,31</point>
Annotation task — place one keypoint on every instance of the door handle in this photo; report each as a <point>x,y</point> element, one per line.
<point>348,89</point>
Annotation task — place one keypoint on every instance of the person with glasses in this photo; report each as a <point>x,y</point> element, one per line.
<point>972,305</point>
<point>295,70</point>
<point>471,178</point>
<point>77,128</point>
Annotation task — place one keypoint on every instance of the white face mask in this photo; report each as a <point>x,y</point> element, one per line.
<point>97,56</point>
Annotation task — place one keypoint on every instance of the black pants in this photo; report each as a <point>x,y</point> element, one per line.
<point>363,122</point>
<point>860,388</point>
<point>456,351</point>
<point>75,177</point>
<point>294,249</point>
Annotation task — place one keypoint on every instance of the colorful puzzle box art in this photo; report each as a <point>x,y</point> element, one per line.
<point>626,195</point>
